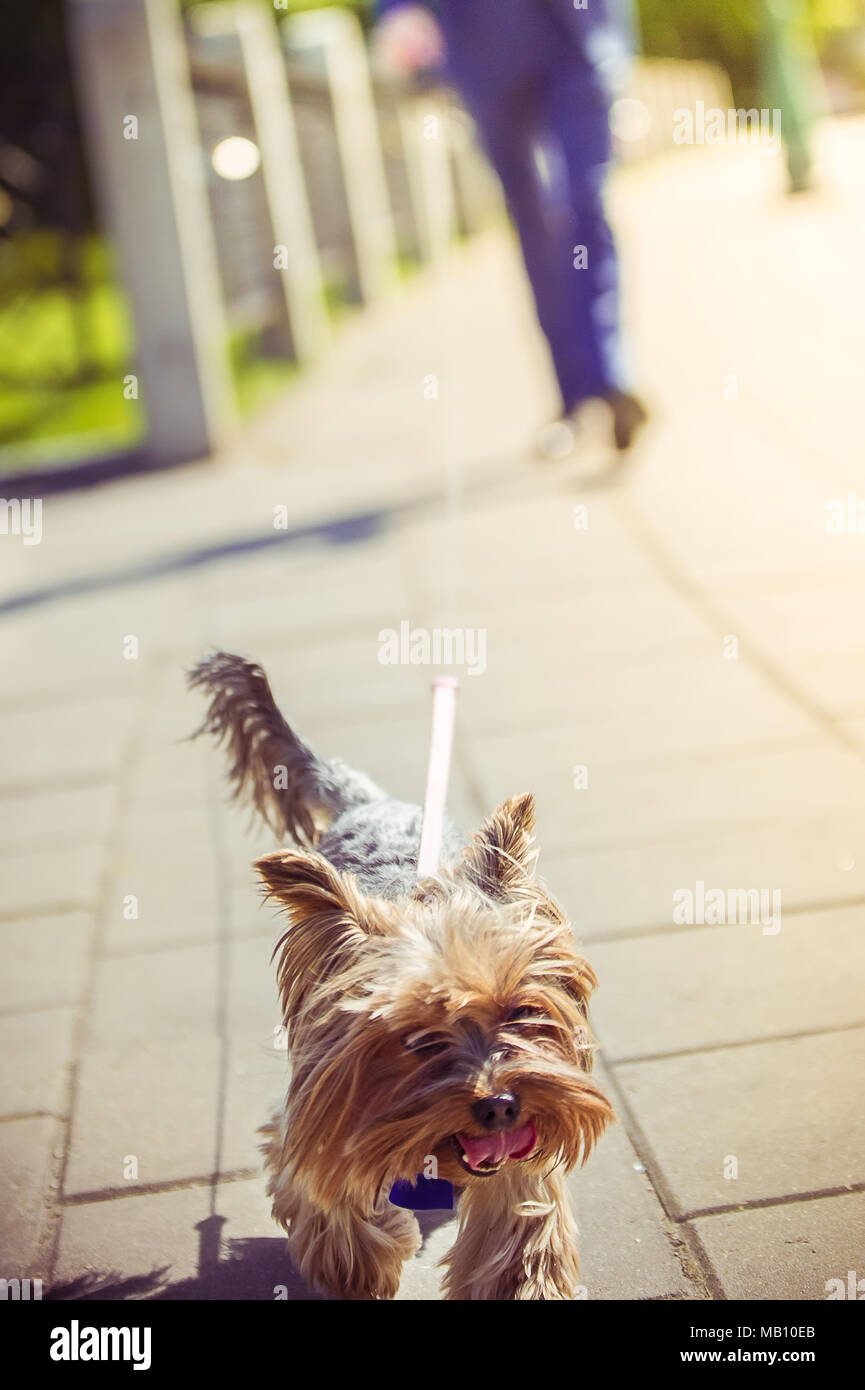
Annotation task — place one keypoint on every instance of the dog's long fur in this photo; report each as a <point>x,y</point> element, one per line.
<point>406,1004</point>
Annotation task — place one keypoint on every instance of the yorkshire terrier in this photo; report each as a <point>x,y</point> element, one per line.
<point>436,1026</point>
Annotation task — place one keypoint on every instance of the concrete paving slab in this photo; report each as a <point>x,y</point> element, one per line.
<point>88,741</point>
<point>129,1107</point>
<point>51,880</point>
<point>176,892</point>
<point>812,621</point>
<point>623,805</point>
<point>477,552</point>
<point>253,1007</point>
<point>608,715</point>
<point>161,830</point>
<point>801,1250</point>
<point>141,1247</point>
<point>58,817</point>
<point>605,626</point>
<point>255,1083</point>
<point>26,1166</point>
<point>814,863</point>
<point>61,656</point>
<point>154,997</point>
<point>709,986</point>
<point>345,594</point>
<point>35,1048</point>
<point>627,1250</point>
<point>832,680</point>
<point>44,960</point>
<point>779,1117</point>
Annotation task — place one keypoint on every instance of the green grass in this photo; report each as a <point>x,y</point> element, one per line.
<point>64,351</point>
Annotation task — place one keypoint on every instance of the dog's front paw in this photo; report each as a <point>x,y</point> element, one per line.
<point>347,1255</point>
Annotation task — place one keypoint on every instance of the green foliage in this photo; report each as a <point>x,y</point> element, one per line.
<point>727,33</point>
<point>730,32</point>
<point>65,346</point>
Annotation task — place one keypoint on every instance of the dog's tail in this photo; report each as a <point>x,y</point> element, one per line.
<point>294,790</point>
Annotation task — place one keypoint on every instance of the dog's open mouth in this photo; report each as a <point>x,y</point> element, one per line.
<point>486,1154</point>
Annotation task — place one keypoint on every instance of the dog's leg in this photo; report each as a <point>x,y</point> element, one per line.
<point>345,1252</point>
<point>517,1239</point>
<point>349,1255</point>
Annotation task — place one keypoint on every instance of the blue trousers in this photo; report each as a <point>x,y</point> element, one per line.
<point>539,76</point>
<point>550,144</point>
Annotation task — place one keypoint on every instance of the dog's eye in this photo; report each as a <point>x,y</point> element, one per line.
<point>429,1044</point>
<point>525,1011</point>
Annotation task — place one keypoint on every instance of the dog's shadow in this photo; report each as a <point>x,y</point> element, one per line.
<point>234,1270</point>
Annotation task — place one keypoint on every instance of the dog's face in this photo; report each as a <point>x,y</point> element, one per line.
<point>450,1026</point>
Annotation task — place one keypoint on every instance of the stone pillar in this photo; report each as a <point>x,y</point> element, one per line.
<point>265,67</point>
<point>147,168</point>
<point>337,34</point>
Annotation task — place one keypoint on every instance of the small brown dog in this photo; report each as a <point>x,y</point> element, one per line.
<point>436,1026</point>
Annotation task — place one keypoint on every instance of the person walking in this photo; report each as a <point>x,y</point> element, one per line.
<point>539,77</point>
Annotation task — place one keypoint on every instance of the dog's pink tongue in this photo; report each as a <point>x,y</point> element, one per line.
<point>493,1148</point>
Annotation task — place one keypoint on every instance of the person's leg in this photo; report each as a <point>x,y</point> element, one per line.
<point>509,127</point>
<point>588,353</point>
<point>576,291</point>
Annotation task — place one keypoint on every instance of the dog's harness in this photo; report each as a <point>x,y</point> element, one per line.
<point>433,1193</point>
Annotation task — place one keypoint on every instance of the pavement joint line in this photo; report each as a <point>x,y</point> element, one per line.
<point>33,1115</point>
<point>706,835</point>
<point>40,1007</point>
<point>704,757</point>
<point>216,817</point>
<point>677,928</point>
<point>151,1189</point>
<point>10,851</point>
<point>686,585</point>
<point>638,1059</point>
<point>677,836</point>
<point>54,697</point>
<point>187,943</point>
<point>786,1199</point>
<point>82,781</point>
<point>701,1258</point>
<point>48,1242</point>
<point>48,909</point>
<point>639,1141</point>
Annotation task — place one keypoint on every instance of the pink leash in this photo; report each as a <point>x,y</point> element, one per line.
<point>441,741</point>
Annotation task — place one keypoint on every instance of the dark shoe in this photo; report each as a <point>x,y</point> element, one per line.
<point>629,415</point>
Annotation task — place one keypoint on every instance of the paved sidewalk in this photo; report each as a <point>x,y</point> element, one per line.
<point>694,639</point>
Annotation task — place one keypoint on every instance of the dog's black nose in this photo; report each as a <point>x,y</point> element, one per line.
<point>497,1112</point>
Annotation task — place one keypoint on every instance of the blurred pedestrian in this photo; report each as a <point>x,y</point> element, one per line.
<point>539,77</point>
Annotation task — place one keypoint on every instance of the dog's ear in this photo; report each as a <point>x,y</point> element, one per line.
<point>500,859</point>
<point>329,921</point>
